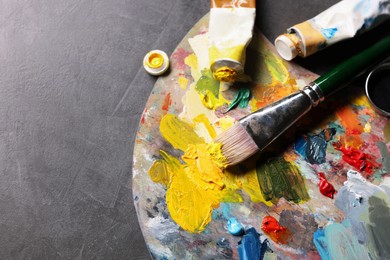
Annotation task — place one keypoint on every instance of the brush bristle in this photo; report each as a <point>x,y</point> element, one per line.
<point>237,144</point>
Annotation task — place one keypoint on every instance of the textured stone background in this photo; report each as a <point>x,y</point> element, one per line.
<point>72,90</point>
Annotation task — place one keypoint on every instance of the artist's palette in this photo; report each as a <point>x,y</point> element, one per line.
<point>343,142</point>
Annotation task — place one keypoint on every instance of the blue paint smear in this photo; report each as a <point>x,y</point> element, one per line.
<point>234,227</point>
<point>321,244</point>
<point>300,146</point>
<point>329,32</point>
<point>336,241</point>
<point>313,148</point>
<point>224,249</point>
<point>250,246</point>
<point>223,212</point>
<point>316,149</point>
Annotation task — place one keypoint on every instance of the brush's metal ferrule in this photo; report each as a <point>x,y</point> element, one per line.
<point>267,123</point>
<point>314,92</point>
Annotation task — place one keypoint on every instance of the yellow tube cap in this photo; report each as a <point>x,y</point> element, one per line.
<point>156,62</point>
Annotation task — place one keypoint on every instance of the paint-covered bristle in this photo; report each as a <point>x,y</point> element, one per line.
<point>237,144</point>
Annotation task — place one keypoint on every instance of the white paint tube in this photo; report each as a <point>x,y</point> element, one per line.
<point>341,21</point>
<point>230,31</point>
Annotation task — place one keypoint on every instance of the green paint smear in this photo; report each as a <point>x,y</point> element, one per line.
<point>265,66</point>
<point>241,99</point>
<point>278,178</point>
<point>207,82</point>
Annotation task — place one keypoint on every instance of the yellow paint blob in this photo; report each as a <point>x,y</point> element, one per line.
<point>195,188</point>
<point>225,74</point>
<point>361,100</point>
<point>192,62</point>
<point>226,122</point>
<point>162,170</point>
<point>178,132</point>
<point>155,60</point>
<point>199,185</point>
<point>183,82</point>
<point>206,122</point>
<point>210,101</point>
<point>367,127</point>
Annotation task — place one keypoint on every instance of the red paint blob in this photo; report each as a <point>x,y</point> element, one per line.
<point>357,158</point>
<point>274,230</point>
<point>167,102</point>
<point>143,116</point>
<point>325,187</point>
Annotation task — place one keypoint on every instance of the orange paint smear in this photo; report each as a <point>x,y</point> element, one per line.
<point>265,95</point>
<point>350,121</point>
<point>274,230</point>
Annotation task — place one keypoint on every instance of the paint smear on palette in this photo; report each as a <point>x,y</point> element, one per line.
<point>279,178</point>
<point>336,241</point>
<point>274,230</point>
<point>313,147</point>
<point>183,82</point>
<point>171,127</point>
<point>208,89</point>
<point>234,227</point>
<point>349,118</point>
<point>367,210</point>
<point>196,187</point>
<point>271,69</point>
<point>199,185</point>
<point>385,153</point>
<point>325,187</point>
<point>386,132</point>
<point>167,102</point>
<point>250,247</point>
<point>358,159</point>
<point>241,99</point>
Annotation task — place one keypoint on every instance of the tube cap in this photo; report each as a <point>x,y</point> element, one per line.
<point>286,47</point>
<point>156,62</point>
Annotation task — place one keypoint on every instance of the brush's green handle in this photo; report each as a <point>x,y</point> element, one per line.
<point>352,67</point>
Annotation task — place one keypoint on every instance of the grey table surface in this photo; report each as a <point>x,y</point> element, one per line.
<point>72,90</point>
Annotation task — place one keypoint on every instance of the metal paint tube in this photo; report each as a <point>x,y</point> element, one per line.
<point>341,21</point>
<point>230,31</point>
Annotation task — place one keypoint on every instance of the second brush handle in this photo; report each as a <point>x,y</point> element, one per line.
<point>353,66</point>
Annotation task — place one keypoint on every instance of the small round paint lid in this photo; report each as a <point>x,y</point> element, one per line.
<point>286,47</point>
<point>156,62</point>
<point>378,88</point>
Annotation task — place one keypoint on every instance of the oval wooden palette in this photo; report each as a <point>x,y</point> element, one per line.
<point>346,119</point>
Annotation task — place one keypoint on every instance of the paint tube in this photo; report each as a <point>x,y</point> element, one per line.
<point>341,21</point>
<point>230,31</point>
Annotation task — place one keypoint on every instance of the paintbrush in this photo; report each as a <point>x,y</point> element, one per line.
<point>254,132</point>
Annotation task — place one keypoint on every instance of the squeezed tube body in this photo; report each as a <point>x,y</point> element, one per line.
<point>341,21</point>
<point>230,31</point>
